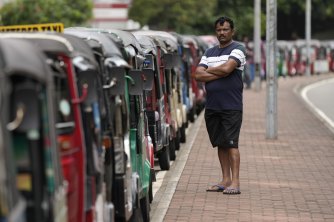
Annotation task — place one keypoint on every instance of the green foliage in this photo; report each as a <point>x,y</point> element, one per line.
<point>186,16</point>
<point>68,12</point>
<point>291,18</point>
<point>197,17</point>
<point>193,16</point>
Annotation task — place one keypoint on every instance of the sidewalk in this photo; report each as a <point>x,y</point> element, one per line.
<point>288,179</point>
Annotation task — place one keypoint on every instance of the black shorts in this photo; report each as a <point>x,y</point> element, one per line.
<point>223,127</point>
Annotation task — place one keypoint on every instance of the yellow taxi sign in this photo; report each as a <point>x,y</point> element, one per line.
<point>51,27</point>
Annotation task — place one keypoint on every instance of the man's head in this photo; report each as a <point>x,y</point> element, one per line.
<point>224,28</point>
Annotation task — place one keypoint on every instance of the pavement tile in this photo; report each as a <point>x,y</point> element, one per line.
<point>287,179</point>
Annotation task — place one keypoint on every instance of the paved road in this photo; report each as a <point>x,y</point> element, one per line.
<point>288,179</point>
<point>320,96</point>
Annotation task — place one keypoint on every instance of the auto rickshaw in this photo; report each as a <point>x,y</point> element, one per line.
<point>172,61</point>
<point>197,89</point>
<point>78,126</point>
<point>187,52</point>
<point>129,93</point>
<point>168,68</point>
<point>151,49</point>
<point>28,119</point>
<point>139,137</point>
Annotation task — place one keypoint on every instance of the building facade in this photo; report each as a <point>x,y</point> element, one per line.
<point>112,14</point>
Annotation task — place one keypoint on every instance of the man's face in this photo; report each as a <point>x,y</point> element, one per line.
<point>224,33</point>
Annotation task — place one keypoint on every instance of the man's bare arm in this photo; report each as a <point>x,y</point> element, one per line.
<point>224,69</point>
<point>203,76</point>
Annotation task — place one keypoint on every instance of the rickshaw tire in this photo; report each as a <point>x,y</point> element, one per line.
<point>164,158</point>
<point>172,149</point>
<point>137,215</point>
<point>145,208</point>
<point>150,190</point>
<point>191,115</point>
<point>183,134</point>
<point>177,140</point>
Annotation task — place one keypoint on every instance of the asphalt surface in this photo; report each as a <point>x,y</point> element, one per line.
<point>319,96</point>
<point>287,179</point>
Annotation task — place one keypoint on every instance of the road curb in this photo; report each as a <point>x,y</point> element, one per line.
<point>163,196</point>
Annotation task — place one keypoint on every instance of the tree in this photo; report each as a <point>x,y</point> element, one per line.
<point>68,12</point>
<point>242,12</point>
<point>197,17</point>
<point>291,19</point>
<point>186,16</point>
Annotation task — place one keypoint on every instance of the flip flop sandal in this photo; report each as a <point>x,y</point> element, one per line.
<point>216,188</point>
<point>232,191</point>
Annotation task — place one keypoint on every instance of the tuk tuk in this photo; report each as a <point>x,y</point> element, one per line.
<point>302,56</point>
<point>167,67</point>
<point>330,46</point>
<point>93,112</point>
<point>172,61</point>
<point>154,104</point>
<point>201,94</point>
<point>282,57</point>
<point>322,57</point>
<point>193,56</point>
<point>188,51</point>
<point>139,137</point>
<point>29,143</point>
<point>78,119</point>
<point>292,58</point>
<point>128,121</point>
<point>210,40</point>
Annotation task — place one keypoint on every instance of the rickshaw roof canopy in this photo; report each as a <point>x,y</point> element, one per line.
<point>170,41</point>
<point>21,56</point>
<point>109,47</point>
<point>128,38</point>
<point>147,43</point>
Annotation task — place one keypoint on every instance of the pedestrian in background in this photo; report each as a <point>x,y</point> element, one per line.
<point>249,68</point>
<point>221,69</point>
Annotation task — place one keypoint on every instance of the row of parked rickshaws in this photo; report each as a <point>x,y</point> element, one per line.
<point>292,57</point>
<point>84,116</point>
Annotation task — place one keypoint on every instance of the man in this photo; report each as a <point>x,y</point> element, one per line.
<point>221,69</point>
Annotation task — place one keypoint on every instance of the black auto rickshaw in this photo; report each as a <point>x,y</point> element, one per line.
<point>28,120</point>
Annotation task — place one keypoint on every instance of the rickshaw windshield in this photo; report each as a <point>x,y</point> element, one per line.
<point>64,115</point>
<point>322,53</point>
<point>65,121</point>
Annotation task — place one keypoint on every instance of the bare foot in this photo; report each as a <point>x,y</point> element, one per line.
<point>225,183</point>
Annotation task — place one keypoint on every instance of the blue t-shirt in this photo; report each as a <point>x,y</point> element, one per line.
<point>225,93</point>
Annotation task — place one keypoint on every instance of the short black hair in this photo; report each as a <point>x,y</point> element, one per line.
<point>223,19</point>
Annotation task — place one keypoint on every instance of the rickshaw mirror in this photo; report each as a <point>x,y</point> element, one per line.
<point>149,62</point>
<point>168,60</point>
<point>64,107</point>
<point>116,82</point>
<point>148,79</point>
<point>25,113</point>
<point>135,82</point>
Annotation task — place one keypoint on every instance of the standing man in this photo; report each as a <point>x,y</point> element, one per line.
<point>221,69</point>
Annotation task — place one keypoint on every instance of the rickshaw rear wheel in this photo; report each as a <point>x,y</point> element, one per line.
<point>172,153</point>
<point>150,190</point>
<point>145,208</point>
<point>177,140</point>
<point>164,158</point>
<point>183,134</point>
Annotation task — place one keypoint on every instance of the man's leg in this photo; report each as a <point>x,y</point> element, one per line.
<point>234,157</point>
<point>223,155</point>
